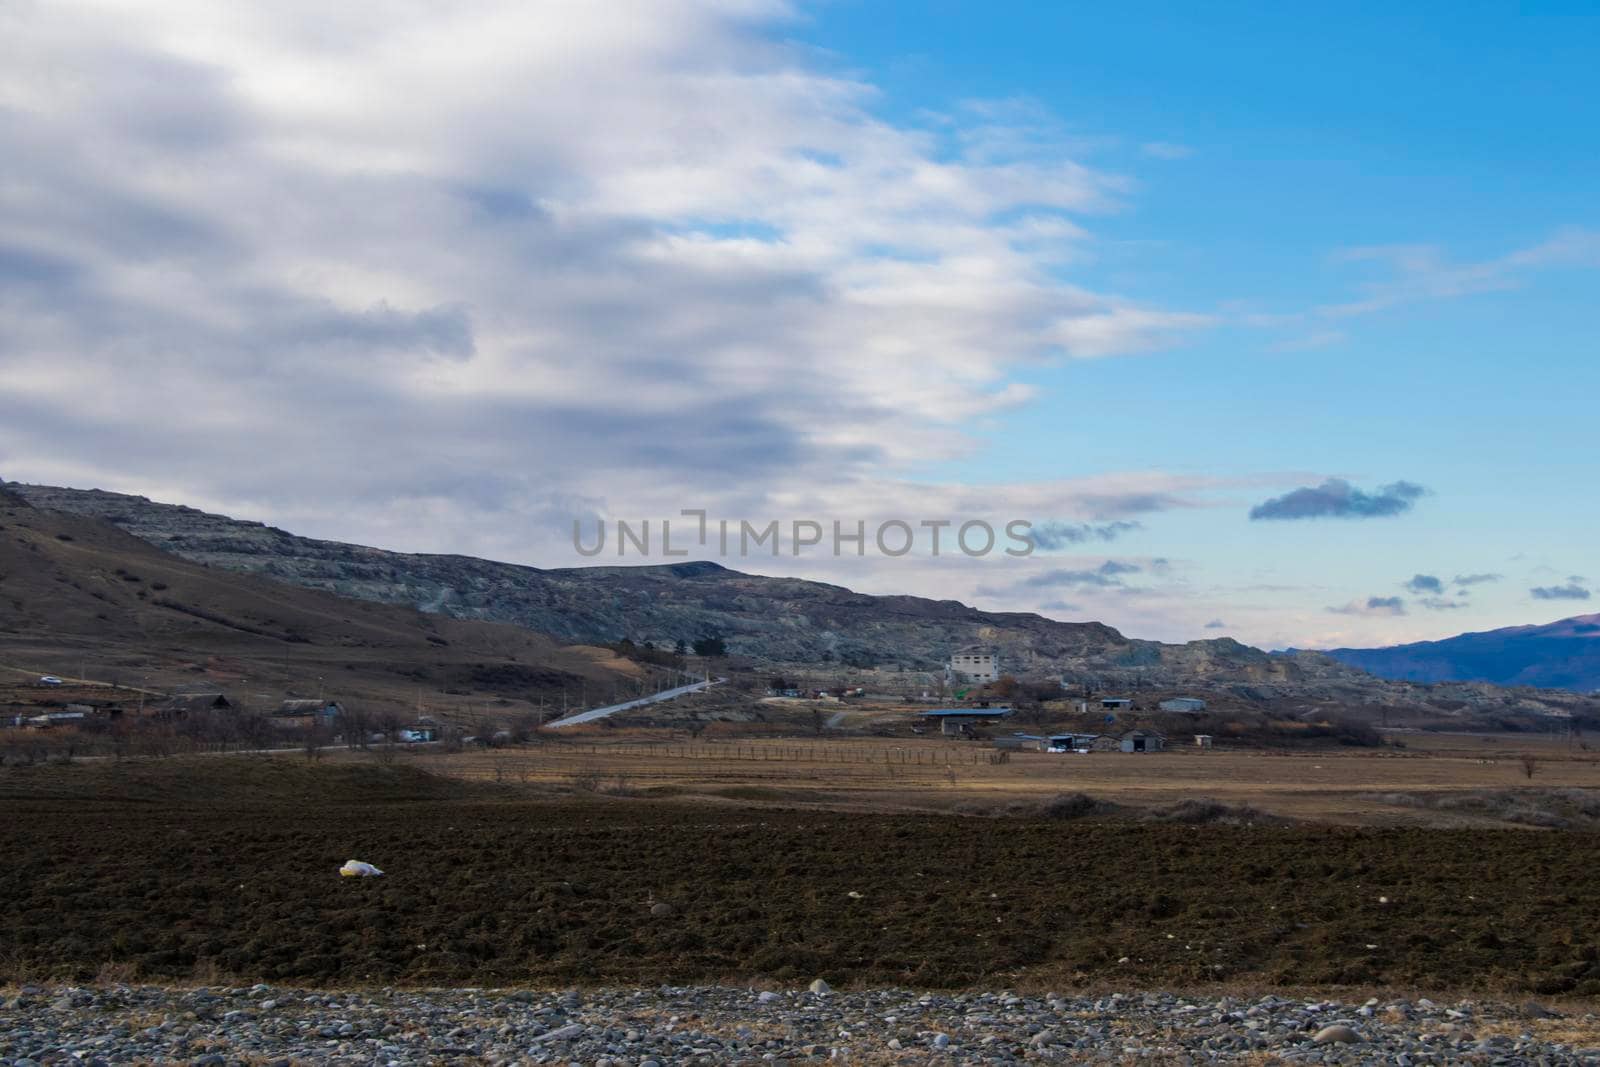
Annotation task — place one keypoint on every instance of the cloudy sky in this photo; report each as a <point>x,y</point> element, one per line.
<point>1275,326</point>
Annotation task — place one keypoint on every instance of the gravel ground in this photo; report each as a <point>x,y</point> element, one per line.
<point>670,1025</point>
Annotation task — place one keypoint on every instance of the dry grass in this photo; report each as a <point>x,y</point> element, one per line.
<point>923,774</point>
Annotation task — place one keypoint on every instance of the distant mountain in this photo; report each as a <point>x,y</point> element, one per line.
<point>1561,655</point>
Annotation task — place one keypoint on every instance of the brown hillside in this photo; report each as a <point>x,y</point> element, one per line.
<point>79,596</point>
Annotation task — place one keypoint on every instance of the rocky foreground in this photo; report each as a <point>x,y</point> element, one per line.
<point>637,1028</point>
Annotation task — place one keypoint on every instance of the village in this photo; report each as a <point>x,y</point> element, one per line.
<point>976,702</point>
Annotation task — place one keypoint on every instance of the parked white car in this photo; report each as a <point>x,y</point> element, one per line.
<point>51,679</point>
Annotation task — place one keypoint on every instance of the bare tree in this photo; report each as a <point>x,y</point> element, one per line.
<point>356,725</point>
<point>1530,766</point>
<point>521,728</point>
<point>388,723</point>
<point>313,740</point>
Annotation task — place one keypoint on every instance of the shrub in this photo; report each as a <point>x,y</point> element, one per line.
<point>1199,810</point>
<point>1071,806</point>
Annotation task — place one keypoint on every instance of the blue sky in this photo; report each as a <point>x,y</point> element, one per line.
<point>1133,270</point>
<point>1263,143</point>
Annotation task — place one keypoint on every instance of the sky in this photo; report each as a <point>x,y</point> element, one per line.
<point>1274,323</point>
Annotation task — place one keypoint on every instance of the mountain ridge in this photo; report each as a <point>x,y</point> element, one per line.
<point>774,621</point>
<point>1564,654</point>
<point>77,592</point>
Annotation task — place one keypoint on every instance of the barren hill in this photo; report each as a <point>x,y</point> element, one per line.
<point>75,590</point>
<point>776,621</point>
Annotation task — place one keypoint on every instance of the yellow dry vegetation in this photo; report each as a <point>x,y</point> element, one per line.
<point>1367,786</point>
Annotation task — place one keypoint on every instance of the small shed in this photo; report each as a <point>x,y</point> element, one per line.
<point>958,722</point>
<point>58,718</point>
<point>1184,705</point>
<point>180,705</point>
<point>1116,703</point>
<point>309,712</point>
<point>1203,740</point>
<point>1142,741</point>
<point>1073,742</point>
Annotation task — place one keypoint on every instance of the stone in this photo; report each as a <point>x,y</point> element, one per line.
<point>662,909</point>
<point>1337,1034</point>
<point>565,1033</point>
<point>819,986</point>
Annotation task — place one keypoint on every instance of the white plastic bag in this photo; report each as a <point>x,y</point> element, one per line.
<point>357,869</point>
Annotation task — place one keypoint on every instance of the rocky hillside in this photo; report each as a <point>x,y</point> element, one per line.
<point>80,594</point>
<point>778,620</point>
<point>772,620</point>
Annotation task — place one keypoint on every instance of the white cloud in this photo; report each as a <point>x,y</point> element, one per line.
<point>445,277</point>
<point>335,260</point>
<point>1423,272</point>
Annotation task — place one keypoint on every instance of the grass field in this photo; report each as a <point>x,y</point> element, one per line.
<point>1355,786</point>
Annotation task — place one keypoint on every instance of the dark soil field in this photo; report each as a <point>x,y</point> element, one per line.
<point>226,870</point>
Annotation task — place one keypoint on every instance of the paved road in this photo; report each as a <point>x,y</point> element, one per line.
<point>611,709</point>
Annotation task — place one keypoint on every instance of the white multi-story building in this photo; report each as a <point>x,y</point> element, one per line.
<point>975,663</point>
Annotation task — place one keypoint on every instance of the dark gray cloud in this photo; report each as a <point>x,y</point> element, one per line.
<point>1425,583</point>
<point>1438,603</point>
<point>1465,580</point>
<point>24,266</point>
<point>1054,535</point>
<point>1112,505</point>
<point>1338,499</point>
<point>1374,605</point>
<point>1106,575</point>
<point>1571,591</point>
<point>1216,624</point>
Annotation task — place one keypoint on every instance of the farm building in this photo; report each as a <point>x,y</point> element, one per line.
<point>1184,705</point>
<point>58,718</point>
<point>1080,743</point>
<point>419,731</point>
<point>308,712</point>
<point>1203,740</point>
<point>181,704</point>
<point>1116,703</point>
<point>1020,743</point>
<point>958,722</point>
<point>1142,741</point>
<point>975,663</point>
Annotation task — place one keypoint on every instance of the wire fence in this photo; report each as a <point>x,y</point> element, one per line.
<point>894,755</point>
